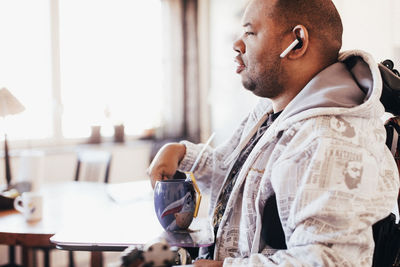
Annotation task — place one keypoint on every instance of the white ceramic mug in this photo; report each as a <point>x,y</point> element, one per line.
<point>30,204</point>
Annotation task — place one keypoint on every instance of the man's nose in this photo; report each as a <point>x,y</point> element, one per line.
<point>239,46</point>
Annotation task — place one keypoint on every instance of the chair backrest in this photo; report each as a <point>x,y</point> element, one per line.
<point>391,101</point>
<point>93,165</point>
<point>390,97</point>
<point>386,232</point>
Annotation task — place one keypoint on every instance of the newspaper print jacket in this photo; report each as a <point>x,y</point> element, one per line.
<point>326,161</point>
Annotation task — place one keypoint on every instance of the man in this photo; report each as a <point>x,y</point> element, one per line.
<point>353,174</point>
<point>279,193</point>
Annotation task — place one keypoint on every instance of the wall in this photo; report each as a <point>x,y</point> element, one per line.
<point>372,26</point>
<point>129,162</point>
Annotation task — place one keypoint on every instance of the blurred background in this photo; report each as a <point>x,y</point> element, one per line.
<point>127,76</point>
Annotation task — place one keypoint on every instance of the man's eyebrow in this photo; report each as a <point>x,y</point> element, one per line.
<point>248,24</point>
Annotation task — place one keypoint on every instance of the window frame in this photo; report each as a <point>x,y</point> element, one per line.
<point>57,139</point>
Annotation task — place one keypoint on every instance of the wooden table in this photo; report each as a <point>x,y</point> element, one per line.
<point>95,217</point>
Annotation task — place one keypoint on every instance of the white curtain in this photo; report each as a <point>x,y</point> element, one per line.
<point>181,116</point>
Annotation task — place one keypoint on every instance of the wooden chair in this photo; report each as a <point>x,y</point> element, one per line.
<point>93,165</point>
<point>11,258</point>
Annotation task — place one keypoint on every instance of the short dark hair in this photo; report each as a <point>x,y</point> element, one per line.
<point>320,17</point>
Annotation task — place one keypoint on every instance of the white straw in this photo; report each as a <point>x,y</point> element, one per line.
<point>287,50</point>
<point>201,152</point>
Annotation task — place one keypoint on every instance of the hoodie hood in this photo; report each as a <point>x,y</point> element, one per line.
<point>349,87</point>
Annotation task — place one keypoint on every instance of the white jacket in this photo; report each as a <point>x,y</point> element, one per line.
<point>326,161</point>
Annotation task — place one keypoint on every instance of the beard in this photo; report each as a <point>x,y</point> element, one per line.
<point>266,83</point>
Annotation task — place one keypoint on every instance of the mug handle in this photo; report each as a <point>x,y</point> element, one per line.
<point>18,204</point>
<point>196,188</point>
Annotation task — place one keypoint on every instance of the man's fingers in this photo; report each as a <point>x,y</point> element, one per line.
<point>159,176</point>
<point>155,177</point>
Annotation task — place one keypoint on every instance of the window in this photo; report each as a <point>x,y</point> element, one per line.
<point>111,72</point>
<point>110,65</point>
<point>25,66</point>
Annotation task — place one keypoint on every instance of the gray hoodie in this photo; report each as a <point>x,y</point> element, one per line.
<point>325,160</point>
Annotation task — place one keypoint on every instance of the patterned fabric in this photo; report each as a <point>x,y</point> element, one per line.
<point>325,160</point>
<point>228,186</point>
<point>227,189</point>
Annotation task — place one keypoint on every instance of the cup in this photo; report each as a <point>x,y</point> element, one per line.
<point>176,202</point>
<point>30,204</point>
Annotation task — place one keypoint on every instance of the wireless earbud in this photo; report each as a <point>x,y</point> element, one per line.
<point>297,44</point>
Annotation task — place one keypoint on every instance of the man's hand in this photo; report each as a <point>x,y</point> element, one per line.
<point>208,263</point>
<point>166,162</point>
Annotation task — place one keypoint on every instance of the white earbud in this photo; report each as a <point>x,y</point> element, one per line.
<point>290,48</point>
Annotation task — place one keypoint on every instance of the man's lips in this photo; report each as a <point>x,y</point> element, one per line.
<point>241,66</point>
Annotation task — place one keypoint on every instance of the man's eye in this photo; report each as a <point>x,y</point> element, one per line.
<point>249,33</point>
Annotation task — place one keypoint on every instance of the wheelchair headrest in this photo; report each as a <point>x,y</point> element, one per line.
<point>391,87</point>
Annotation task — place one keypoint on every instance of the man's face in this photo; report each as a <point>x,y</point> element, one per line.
<point>352,174</point>
<point>259,50</point>
<point>338,125</point>
<point>354,169</point>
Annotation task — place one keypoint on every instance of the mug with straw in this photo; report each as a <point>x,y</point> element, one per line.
<point>177,201</point>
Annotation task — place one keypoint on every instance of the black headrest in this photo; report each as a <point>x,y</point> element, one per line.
<point>391,87</point>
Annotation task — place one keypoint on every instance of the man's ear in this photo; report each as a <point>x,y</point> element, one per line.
<point>300,33</point>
